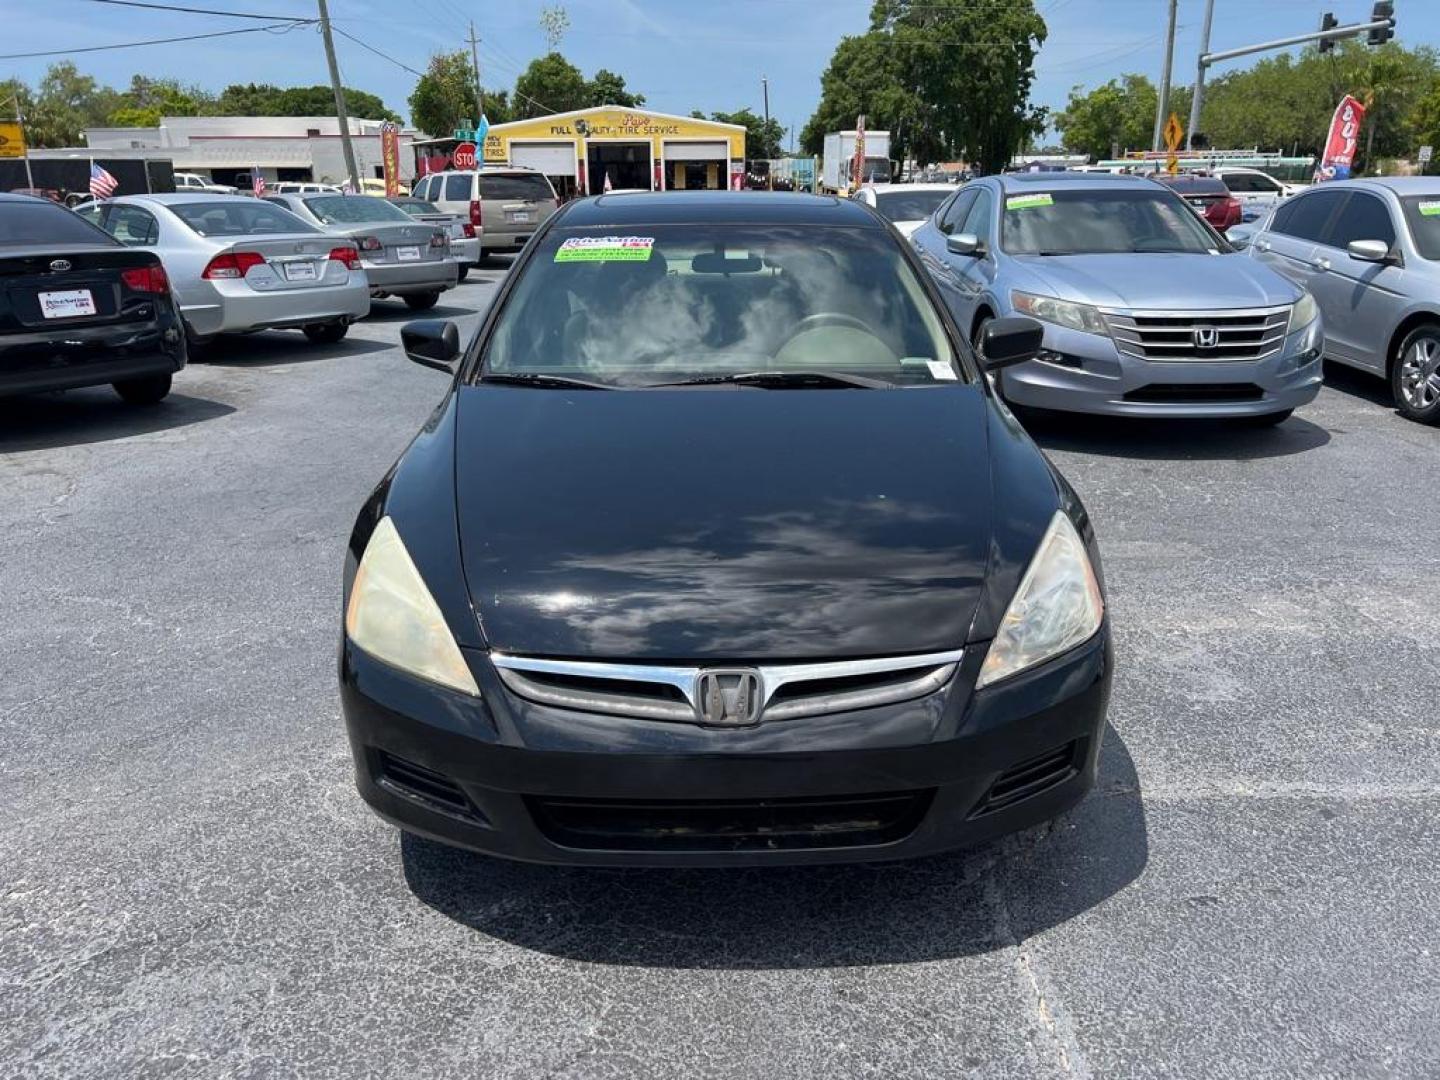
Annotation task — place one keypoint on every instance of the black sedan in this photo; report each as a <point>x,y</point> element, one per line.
<point>721,551</point>
<point>78,308</point>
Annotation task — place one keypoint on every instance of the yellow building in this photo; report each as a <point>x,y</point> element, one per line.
<point>628,148</point>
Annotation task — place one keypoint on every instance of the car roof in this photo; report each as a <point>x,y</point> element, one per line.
<point>1400,185</point>
<point>882,188</point>
<point>1193,180</point>
<point>173,198</point>
<point>693,207</point>
<point>1074,181</point>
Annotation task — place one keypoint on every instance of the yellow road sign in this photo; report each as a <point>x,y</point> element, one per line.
<point>12,139</point>
<point>1173,132</point>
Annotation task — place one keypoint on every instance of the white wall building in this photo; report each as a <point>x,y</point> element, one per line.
<point>281,147</point>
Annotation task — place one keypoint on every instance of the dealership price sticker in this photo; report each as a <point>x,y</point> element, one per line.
<point>1029,202</point>
<point>606,249</point>
<point>1430,208</point>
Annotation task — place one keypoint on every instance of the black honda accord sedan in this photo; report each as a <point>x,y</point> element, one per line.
<point>721,551</point>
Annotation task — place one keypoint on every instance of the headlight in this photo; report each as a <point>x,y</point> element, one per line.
<point>393,617</point>
<point>1304,312</point>
<point>1062,312</point>
<point>1057,606</point>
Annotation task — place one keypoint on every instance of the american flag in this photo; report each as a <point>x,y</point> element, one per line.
<point>257,184</point>
<point>102,184</point>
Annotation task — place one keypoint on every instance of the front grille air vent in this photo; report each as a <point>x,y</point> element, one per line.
<point>1030,778</point>
<point>1195,393</point>
<point>424,785</point>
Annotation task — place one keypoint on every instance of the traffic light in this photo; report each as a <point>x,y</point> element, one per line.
<point>1385,9</point>
<point>1327,22</point>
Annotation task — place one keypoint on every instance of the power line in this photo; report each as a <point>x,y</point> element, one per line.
<point>377,52</point>
<point>273,28</point>
<point>202,11</point>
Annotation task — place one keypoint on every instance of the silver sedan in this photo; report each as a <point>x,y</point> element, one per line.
<point>402,257</point>
<point>237,265</point>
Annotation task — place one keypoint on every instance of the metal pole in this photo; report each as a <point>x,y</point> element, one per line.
<point>20,119</point>
<point>479,93</point>
<point>1162,106</point>
<point>339,98</point>
<point>1199,95</point>
<point>765,92</point>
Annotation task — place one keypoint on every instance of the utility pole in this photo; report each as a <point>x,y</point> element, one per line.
<point>340,115</point>
<point>1162,107</point>
<point>765,93</point>
<point>1199,95</point>
<point>479,94</point>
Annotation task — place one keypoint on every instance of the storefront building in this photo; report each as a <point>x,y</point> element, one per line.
<point>590,151</point>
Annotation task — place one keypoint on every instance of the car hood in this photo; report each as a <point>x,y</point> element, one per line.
<point>725,523</point>
<point>1160,280</point>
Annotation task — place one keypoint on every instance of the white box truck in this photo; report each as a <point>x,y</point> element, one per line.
<point>838,165</point>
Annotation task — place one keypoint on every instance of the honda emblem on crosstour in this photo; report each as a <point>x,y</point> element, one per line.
<point>728,697</point>
<point>60,265</point>
<point>1206,337</point>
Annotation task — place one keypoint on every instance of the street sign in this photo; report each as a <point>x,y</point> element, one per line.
<point>1173,132</point>
<point>1426,152</point>
<point>12,139</point>
<point>465,156</point>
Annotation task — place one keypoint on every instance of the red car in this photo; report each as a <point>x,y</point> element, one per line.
<point>1209,196</point>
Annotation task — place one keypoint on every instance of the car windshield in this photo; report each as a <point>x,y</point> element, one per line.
<point>1422,214</point>
<point>24,222</point>
<point>654,304</point>
<point>238,217</point>
<point>517,187</point>
<point>416,206</point>
<point>1088,222</point>
<point>353,209</point>
<point>909,205</point>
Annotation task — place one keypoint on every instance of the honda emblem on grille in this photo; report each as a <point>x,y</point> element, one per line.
<point>60,265</point>
<point>728,697</point>
<point>1206,337</point>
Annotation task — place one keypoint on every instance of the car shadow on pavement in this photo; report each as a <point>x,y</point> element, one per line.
<point>268,350</point>
<point>966,903</point>
<point>1359,384</point>
<point>388,311</point>
<point>94,414</point>
<point>1172,440</point>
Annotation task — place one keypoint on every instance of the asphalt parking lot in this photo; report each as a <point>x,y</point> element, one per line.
<point>189,885</point>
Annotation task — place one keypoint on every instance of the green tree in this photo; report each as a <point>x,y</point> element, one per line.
<point>264,99</point>
<point>445,94</point>
<point>1116,116</point>
<point>551,84</point>
<point>148,100</point>
<point>761,141</point>
<point>607,88</point>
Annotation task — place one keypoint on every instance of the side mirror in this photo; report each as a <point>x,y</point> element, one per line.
<point>1009,341</point>
<point>964,243</point>
<point>1369,250</point>
<point>432,343</point>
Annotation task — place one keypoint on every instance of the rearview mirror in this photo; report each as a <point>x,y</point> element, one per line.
<point>1009,341</point>
<point>1368,250</point>
<point>432,343</point>
<point>964,244</point>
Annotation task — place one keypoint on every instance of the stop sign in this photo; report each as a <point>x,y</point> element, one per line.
<point>465,156</point>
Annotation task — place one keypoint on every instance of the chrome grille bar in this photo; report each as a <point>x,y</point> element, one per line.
<point>1240,334</point>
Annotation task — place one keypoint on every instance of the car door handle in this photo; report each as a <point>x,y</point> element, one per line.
<point>1321,264</point>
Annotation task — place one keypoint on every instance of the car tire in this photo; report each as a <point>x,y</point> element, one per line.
<point>143,391</point>
<point>422,301</point>
<point>196,344</point>
<point>1264,420</point>
<point>464,272</point>
<point>326,333</point>
<point>1415,375</point>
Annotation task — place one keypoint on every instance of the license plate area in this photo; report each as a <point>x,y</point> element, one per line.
<point>67,304</point>
<point>301,271</point>
<point>517,215</point>
<point>409,253</point>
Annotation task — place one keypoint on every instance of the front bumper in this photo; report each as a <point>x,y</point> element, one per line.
<point>406,279</point>
<point>1088,374</point>
<point>543,784</point>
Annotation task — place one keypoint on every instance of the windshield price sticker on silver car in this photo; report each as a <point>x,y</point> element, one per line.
<point>1430,208</point>
<point>1029,202</point>
<point>606,249</point>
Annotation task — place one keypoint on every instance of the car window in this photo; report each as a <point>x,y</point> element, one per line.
<point>909,205</point>
<point>416,206</point>
<point>517,187</point>
<point>239,217</point>
<point>1250,182</point>
<point>977,221</point>
<point>1145,218</point>
<point>1363,217</point>
<point>665,303</point>
<point>432,189</point>
<point>458,187</point>
<point>1307,216</point>
<point>352,209</point>
<point>1422,215</point>
<point>34,221</point>
<point>90,212</point>
<point>957,210</point>
<point>132,226</point>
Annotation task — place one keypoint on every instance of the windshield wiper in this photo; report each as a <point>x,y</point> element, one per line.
<point>788,380</point>
<point>535,378</point>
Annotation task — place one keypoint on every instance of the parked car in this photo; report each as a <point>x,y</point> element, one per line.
<point>372,186</point>
<point>1208,195</point>
<point>892,643</point>
<point>1257,191</point>
<point>464,244</point>
<point>1146,311</point>
<point>401,257</point>
<point>906,205</point>
<point>302,187</point>
<point>79,309</point>
<point>1369,252</point>
<point>506,205</point>
<point>193,182</point>
<point>237,265</point>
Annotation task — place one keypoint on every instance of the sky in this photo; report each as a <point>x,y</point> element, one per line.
<point>681,54</point>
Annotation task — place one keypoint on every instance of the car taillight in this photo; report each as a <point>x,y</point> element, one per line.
<point>1233,211</point>
<point>368,243</point>
<point>347,256</point>
<point>469,231</point>
<point>232,264</point>
<point>476,217</point>
<point>437,240</point>
<point>149,279</point>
